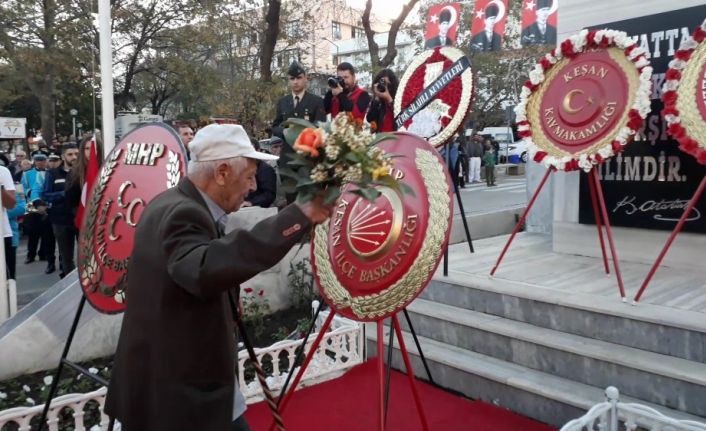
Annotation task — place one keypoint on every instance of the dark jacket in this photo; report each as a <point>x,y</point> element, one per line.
<point>174,366</point>
<point>480,42</point>
<point>533,36</point>
<point>60,212</point>
<point>310,108</point>
<point>475,149</point>
<point>436,41</point>
<point>266,192</point>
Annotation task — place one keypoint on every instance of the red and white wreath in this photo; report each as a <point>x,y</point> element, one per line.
<point>671,95</point>
<point>571,48</point>
<point>450,106</point>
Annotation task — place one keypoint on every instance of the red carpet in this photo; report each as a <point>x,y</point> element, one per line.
<point>349,403</point>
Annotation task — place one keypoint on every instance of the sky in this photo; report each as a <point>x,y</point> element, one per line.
<point>386,8</point>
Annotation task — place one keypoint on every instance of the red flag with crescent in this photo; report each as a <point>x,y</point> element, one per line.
<point>539,22</point>
<point>91,174</point>
<point>442,25</point>
<point>488,25</point>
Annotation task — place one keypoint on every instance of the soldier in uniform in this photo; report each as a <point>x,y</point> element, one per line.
<point>540,32</point>
<point>299,103</point>
<point>488,39</point>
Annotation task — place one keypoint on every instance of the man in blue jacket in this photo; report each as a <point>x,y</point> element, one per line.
<point>37,221</point>
<point>61,214</point>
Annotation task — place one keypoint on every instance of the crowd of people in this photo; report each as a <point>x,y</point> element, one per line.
<point>41,194</point>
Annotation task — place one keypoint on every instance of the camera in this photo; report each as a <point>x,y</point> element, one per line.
<point>335,81</point>
<point>381,86</point>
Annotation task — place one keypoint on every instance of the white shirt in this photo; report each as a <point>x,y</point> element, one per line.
<point>8,184</point>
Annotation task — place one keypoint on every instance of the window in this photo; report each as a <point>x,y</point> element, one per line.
<point>336,30</point>
<point>357,32</point>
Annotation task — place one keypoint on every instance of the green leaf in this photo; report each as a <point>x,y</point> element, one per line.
<point>353,157</point>
<point>291,134</point>
<point>332,193</point>
<point>367,193</point>
<point>299,161</point>
<point>293,122</point>
<point>406,189</point>
<point>383,137</point>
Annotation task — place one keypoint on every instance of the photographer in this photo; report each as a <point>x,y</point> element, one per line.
<point>345,95</point>
<point>380,114</point>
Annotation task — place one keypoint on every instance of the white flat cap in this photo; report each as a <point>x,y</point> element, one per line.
<point>224,141</point>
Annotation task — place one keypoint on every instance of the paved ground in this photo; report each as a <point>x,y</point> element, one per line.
<point>511,191</point>
<point>31,280</point>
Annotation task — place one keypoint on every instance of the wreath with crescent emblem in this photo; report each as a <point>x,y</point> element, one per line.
<point>536,122</point>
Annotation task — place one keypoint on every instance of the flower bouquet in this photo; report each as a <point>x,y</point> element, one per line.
<point>334,154</point>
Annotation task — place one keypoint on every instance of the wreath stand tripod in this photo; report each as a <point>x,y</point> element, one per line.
<point>383,386</point>
<point>598,203</point>
<point>677,229</point>
<point>454,181</point>
<point>64,361</point>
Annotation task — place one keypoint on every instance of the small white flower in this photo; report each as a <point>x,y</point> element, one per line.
<point>48,380</point>
<point>26,388</point>
<point>30,401</point>
<point>3,396</point>
<point>93,370</point>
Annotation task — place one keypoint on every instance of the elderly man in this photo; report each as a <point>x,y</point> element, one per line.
<point>174,367</point>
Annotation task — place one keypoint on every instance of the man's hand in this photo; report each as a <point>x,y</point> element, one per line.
<point>316,211</point>
<point>336,90</point>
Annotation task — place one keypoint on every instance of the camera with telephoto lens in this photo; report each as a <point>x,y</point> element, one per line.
<point>381,86</point>
<point>335,81</point>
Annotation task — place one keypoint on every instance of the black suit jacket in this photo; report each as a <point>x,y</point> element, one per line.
<point>174,367</point>
<point>480,42</point>
<point>532,36</point>
<point>436,41</point>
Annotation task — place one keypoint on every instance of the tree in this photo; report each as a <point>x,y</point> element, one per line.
<point>39,39</point>
<point>376,62</point>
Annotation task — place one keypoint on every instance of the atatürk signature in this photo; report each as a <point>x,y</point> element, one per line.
<point>674,208</point>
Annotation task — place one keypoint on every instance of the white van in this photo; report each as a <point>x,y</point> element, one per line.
<point>501,134</point>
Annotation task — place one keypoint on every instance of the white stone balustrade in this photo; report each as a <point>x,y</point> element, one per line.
<point>340,349</point>
<point>607,416</point>
<point>75,403</point>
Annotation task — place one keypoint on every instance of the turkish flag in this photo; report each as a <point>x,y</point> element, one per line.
<point>488,25</point>
<point>539,22</point>
<point>442,25</point>
<point>90,178</point>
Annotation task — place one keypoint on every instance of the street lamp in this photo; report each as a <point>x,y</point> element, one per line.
<point>74,113</point>
<point>80,131</point>
<point>334,44</point>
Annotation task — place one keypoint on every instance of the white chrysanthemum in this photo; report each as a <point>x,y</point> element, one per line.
<point>332,150</point>
<point>93,370</point>
<point>26,388</point>
<point>354,174</point>
<point>3,396</point>
<point>30,401</point>
<point>48,380</point>
<point>319,174</point>
<point>689,43</point>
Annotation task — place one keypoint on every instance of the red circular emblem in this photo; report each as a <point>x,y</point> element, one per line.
<point>146,162</point>
<point>435,94</point>
<point>585,102</point>
<point>373,258</point>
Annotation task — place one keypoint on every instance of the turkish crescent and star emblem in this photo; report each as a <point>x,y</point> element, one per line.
<point>583,103</point>
<point>147,161</point>
<point>373,258</point>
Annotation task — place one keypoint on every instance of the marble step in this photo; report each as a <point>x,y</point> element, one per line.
<point>653,328</point>
<point>665,380</point>
<point>536,394</point>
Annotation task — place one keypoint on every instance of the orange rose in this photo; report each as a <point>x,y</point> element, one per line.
<point>309,140</point>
